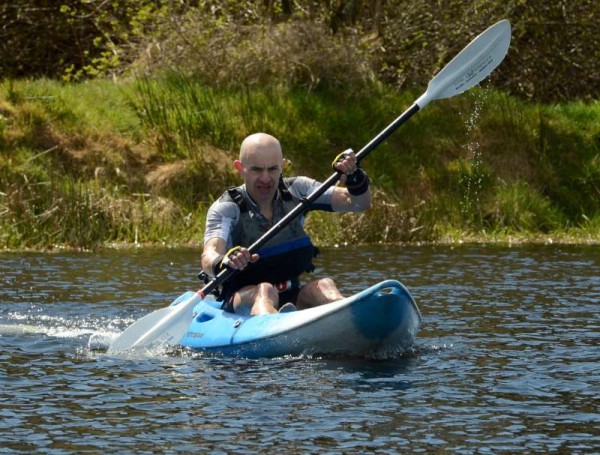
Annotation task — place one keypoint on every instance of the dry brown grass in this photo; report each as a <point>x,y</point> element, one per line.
<point>297,52</point>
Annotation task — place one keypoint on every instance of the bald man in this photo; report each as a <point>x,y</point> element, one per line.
<point>269,281</point>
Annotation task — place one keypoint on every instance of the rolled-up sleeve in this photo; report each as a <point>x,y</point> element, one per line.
<point>220,221</point>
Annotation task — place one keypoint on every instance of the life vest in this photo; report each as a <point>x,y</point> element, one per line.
<point>283,258</point>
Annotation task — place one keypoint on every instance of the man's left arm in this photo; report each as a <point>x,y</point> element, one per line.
<point>356,197</point>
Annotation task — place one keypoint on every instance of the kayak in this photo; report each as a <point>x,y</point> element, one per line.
<point>380,321</point>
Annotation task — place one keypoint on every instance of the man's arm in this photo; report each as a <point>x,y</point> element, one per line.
<point>213,249</point>
<point>215,257</point>
<point>220,219</point>
<point>343,201</point>
<point>356,197</point>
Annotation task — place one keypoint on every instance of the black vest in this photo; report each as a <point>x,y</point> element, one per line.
<point>284,257</point>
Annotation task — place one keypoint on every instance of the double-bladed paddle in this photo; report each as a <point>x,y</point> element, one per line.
<point>473,64</point>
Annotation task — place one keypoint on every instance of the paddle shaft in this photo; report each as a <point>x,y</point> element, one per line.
<point>304,204</point>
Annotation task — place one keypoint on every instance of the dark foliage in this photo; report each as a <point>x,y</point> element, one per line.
<point>554,54</point>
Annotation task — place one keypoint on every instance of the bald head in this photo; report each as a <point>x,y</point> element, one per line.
<point>260,165</point>
<point>260,143</point>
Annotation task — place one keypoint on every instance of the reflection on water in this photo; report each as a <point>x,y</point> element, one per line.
<point>506,360</point>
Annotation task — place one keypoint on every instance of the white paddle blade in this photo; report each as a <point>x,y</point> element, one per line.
<point>472,65</point>
<point>164,327</point>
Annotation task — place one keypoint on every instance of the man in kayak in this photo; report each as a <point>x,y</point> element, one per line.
<point>243,214</point>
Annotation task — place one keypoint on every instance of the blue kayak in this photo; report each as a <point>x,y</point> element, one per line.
<point>380,321</point>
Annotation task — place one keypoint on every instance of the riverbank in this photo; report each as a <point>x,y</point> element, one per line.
<point>577,236</point>
<point>102,164</point>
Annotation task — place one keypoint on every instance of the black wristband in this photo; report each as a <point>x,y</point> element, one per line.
<point>217,264</point>
<point>357,183</point>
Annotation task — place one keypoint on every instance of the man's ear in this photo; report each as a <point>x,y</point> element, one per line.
<point>237,164</point>
<point>283,163</point>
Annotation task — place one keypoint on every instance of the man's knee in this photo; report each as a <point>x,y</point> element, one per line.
<point>327,283</point>
<point>318,292</point>
<point>267,290</point>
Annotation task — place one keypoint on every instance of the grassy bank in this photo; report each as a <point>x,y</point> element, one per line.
<point>99,164</point>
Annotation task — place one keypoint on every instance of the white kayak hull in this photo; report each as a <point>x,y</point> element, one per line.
<point>381,321</point>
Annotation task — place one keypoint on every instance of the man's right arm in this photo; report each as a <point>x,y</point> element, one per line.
<point>214,249</point>
<point>220,219</point>
<point>214,257</point>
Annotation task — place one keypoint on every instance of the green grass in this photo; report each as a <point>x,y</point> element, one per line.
<point>183,113</point>
<point>92,164</point>
<point>89,108</point>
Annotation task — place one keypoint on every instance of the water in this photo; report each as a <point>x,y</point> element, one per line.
<point>507,360</point>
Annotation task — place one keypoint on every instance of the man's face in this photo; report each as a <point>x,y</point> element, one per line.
<point>261,169</point>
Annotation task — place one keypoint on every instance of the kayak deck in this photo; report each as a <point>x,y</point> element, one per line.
<point>382,320</point>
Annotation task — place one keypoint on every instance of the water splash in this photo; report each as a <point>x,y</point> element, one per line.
<point>74,328</point>
<point>92,336</point>
<point>472,179</point>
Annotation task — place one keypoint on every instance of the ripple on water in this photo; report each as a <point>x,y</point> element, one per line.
<point>506,361</point>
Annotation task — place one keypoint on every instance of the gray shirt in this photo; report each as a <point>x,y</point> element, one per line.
<point>223,215</point>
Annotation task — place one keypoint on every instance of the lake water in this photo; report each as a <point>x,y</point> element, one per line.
<point>507,360</point>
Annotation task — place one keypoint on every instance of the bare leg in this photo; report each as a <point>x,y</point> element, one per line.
<point>317,293</point>
<point>262,298</point>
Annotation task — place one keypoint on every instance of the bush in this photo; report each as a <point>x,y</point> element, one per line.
<point>74,38</point>
<point>297,52</point>
<point>553,56</point>
<point>519,208</point>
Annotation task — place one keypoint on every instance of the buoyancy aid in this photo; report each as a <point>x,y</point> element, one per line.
<point>284,257</point>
